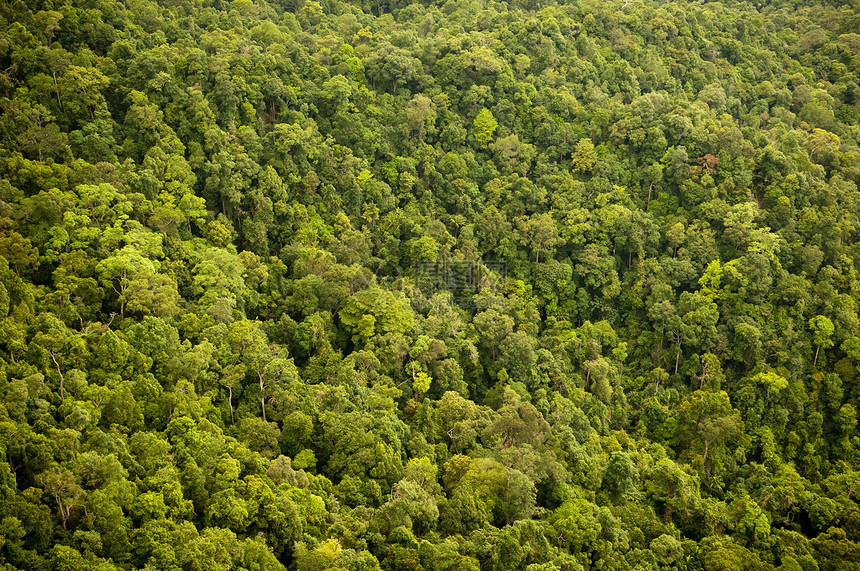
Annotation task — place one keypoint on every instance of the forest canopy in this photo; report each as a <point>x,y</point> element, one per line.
<point>432,285</point>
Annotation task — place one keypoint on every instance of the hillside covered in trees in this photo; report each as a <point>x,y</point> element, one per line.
<point>460,285</point>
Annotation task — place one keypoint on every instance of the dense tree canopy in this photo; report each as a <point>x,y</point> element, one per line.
<point>429,285</point>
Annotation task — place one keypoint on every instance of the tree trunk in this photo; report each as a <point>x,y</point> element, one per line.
<point>230,402</point>
<point>62,379</point>
<point>262,396</point>
<point>64,511</point>
<point>57,91</point>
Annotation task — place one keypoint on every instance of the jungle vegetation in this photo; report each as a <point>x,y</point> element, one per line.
<point>466,285</point>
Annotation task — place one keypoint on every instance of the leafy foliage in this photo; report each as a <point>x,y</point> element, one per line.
<point>392,285</point>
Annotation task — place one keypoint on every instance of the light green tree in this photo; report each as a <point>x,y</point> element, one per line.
<point>484,126</point>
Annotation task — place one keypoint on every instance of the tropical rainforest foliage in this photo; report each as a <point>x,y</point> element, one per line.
<point>377,284</point>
